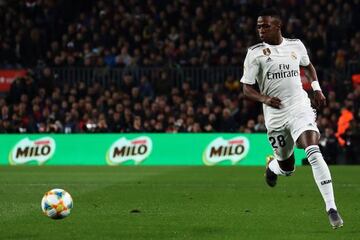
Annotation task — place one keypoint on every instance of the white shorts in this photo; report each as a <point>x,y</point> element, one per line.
<point>283,139</point>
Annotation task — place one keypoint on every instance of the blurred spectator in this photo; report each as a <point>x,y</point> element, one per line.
<point>260,125</point>
<point>46,80</point>
<point>329,146</point>
<point>232,84</point>
<point>146,90</point>
<point>228,123</point>
<point>352,141</point>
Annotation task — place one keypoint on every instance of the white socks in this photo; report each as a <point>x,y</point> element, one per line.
<point>275,168</point>
<point>320,171</point>
<point>321,175</point>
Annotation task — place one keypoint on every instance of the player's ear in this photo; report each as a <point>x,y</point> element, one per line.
<point>278,23</point>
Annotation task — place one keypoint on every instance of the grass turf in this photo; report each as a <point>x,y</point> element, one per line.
<point>176,203</point>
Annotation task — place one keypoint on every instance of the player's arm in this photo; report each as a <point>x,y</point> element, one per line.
<point>319,98</point>
<point>310,72</point>
<point>251,70</point>
<point>253,94</point>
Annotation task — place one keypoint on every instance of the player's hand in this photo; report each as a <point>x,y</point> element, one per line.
<point>272,102</point>
<point>319,99</point>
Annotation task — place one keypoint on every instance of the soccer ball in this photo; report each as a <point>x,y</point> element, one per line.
<point>57,203</point>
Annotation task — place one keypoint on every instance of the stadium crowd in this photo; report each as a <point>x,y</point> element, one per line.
<point>118,33</point>
<point>39,36</point>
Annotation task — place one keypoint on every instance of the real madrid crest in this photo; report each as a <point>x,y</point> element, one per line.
<point>266,51</point>
<point>293,55</point>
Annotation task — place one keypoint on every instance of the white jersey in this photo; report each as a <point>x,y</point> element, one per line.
<point>277,72</point>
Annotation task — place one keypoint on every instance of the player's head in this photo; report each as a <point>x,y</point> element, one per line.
<point>269,25</point>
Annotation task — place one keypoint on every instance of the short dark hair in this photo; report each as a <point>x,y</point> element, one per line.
<point>272,12</point>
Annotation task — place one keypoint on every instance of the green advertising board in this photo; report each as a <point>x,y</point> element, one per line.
<point>135,149</point>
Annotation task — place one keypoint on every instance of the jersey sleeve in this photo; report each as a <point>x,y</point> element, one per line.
<point>304,57</point>
<point>251,69</point>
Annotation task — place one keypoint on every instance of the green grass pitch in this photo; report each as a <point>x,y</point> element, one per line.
<point>176,203</point>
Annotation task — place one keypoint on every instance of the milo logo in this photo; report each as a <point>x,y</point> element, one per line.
<point>220,150</point>
<point>123,150</point>
<point>26,150</point>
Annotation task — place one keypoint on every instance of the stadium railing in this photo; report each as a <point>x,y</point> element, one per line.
<point>194,75</point>
<point>177,75</point>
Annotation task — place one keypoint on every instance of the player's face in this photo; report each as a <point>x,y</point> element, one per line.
<point>268,28</point>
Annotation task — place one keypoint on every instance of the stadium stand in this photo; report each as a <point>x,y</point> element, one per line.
<point>53,38</point>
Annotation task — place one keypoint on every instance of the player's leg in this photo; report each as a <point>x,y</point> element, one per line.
<point>284,167</point>
<point>309,140</point>
<point>283,162</point>
<point>276,168</point>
